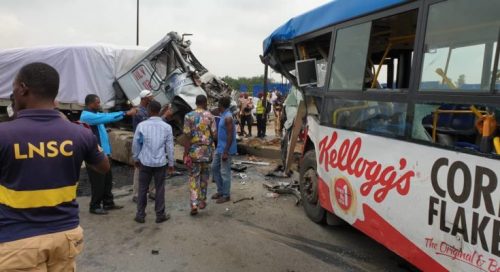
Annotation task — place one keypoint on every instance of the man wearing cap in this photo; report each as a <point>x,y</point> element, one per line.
<point>101,184</point>
<point>142,114</point>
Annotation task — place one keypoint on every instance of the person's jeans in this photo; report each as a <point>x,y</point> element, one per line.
<point>221,171</point>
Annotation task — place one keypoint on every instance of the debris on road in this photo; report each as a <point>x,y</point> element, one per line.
<point>242,199</point>
<point>155,252</point>
<point>283,188</point>
<point>252,163</point>
<point>238,167</point>
<point>174,174</point>
<point>241,175</point>
<point>272,195</point>
<point>279,172</point>
<point>252,158</point>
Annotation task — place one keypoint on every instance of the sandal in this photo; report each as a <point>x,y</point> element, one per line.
<point>194,210</point>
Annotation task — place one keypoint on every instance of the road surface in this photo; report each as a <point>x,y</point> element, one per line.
<point>264,234</point>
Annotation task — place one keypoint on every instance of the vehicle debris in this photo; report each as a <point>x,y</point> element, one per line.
<point>279,172</point>
<point>168,68</point>
<point>241,175</point>
<point>238,167</point>
<point>252,163</point>
<point>283,188</point>
<point>242,199</point>
<point>174,174</point>
<point>272,195</point>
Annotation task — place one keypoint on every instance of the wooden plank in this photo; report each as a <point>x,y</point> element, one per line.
<point>297,125</point>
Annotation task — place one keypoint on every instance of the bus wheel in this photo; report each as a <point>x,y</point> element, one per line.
<point>309,188</point>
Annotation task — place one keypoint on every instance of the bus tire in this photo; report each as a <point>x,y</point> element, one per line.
<point>308,186</point>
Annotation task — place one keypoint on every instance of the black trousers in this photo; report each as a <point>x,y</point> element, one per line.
<point>100,187</point>
<point>147,173</point>
<point>261,125</point>
<point>246,120</point>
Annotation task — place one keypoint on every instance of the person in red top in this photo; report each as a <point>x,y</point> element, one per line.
<point>40,159</point>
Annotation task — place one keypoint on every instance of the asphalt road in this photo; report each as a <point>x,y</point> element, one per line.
<point>264,234</point>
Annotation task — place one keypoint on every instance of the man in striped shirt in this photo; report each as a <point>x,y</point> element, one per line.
<point>153,144</point>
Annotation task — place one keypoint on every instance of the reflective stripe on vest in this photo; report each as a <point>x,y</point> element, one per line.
<point>260,108</point>
<point>37,198</point>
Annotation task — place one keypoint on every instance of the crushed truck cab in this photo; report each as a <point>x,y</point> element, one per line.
<point>175,76</point>
<point>118,74</point>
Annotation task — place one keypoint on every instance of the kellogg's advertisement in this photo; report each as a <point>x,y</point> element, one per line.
<point>437,208</point>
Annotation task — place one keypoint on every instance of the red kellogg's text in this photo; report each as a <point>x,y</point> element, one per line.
<point>346,158</point>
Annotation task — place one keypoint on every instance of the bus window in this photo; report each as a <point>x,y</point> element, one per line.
<point>349,57</point>
<point>460,45</point>
<point>384,118</point>
<point>497,78</point>
<point>317,48</point>
<point>472,127</point>
<point>390,52</point>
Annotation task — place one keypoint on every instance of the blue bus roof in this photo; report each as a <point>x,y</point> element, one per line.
<point>328,14</point>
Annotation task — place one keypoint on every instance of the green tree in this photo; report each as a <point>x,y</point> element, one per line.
<point>236,83</point>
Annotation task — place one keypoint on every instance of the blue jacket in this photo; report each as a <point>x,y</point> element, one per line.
<point>97,120</point>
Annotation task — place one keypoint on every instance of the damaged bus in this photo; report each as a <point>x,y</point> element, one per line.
<point>400,106</point>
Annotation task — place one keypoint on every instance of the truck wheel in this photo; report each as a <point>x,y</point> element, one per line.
<point>308,185</point>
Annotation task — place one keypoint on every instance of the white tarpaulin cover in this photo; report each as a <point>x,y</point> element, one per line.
<point>83,69</point>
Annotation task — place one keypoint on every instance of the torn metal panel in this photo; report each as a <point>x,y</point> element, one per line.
<point>175,76</point>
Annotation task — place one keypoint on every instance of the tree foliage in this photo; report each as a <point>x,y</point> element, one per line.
<point>235,83</point>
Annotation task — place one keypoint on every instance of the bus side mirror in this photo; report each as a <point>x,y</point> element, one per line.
<point>306,72</point>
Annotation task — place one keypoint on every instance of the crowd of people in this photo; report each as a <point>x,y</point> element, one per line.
<point>274,100</point>
<point>41,154</point>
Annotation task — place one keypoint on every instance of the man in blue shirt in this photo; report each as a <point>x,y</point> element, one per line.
<point>142,114</point>
<point>101,184</point>
<point>153,144</point>
<point>226,147</point>
<point>40,159</point>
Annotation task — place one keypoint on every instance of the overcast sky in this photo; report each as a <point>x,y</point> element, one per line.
<point>227,39</point>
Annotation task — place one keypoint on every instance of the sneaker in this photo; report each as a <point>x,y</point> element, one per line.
<point>202,205</point>
<point>162,218</point>
<point>222,200</point>
<point>140,220</point>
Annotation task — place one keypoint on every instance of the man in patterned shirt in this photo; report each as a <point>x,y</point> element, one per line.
<point>199,126</point>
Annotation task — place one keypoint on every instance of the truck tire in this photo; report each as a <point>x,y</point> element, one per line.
<point>308,186</point>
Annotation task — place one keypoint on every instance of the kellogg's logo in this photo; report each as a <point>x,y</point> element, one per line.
<point>347,159</point>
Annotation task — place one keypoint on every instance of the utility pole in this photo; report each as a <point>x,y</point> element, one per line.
<point>137,38</point>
